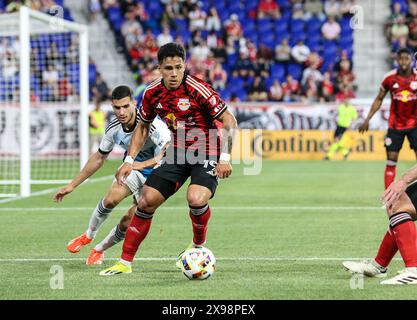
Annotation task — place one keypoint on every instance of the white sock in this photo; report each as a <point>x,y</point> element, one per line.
<point>126,263</point>
<point>99,215</point>
<point>114,236</point>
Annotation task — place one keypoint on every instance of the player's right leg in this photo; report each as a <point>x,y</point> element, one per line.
<point>405,233</point>
<point>101,212</point>
<point>139,227</point>
<point>393,143</point>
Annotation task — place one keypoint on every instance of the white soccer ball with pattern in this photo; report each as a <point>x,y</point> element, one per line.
<point>198,263</point>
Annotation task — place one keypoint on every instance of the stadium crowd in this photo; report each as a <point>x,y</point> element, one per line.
<point>401,27</point>
<point>256,50</point>
<point>253,50</point>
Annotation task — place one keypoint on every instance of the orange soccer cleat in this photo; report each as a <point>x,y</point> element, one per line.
<point>95,257</point>
<point>75,244</point>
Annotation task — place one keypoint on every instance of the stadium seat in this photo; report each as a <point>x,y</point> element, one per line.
<point>278,71</point>
<point>264,26</point>
<point>295,70</point>
<point>297,25</point>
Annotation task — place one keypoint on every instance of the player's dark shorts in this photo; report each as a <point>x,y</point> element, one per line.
<point>171,175</point>
<point>411,192</point>
<point>395,138</point>
<point>339,132</point>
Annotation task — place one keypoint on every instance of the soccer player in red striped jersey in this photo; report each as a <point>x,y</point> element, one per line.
<point>402,85</point>
<point>190,108</point>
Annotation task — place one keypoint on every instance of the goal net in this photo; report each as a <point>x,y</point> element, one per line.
<point>43,100</point>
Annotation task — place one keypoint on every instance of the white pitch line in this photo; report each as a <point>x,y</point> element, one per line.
<point>40,193</point>
<point>173,259</point>
<point>241,208</point>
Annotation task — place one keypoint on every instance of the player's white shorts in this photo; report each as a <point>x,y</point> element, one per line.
<point>135,182</point>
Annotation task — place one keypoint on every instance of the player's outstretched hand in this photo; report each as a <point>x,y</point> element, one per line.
<point>123,172</point>
<point>364,126</point>
<point>393,193</point>
<point>59,196</point>
<point>223,169</point>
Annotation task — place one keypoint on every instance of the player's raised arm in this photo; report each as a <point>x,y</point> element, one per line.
<point>139,136</point>
<point>224,168</point>
<point>94,163</point>
<point>376,105</point>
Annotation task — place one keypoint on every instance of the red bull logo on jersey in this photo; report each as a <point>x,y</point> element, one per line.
<point>405,96</point>
<point>183,104</point>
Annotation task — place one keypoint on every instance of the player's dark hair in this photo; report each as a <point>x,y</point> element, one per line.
<point>172,50</point>
<point>404,50</point>
<point>121,92</point>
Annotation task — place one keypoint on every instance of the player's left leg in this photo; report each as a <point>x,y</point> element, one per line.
<point>338,134</point>
<point>99,215</point>
<point>116,235</point>
<point>201,189</point>
<point>134,183</point>
<point>405,234</point>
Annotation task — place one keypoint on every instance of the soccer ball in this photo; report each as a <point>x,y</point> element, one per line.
<point>198,263</point>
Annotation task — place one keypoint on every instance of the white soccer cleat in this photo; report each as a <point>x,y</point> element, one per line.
<point>368,268</point>
<point>409,276</point>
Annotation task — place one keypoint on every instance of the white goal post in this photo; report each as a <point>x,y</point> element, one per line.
<point>44,97</point>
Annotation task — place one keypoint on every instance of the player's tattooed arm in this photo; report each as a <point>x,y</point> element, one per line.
<point>374,108</point>
<point>224,168</point>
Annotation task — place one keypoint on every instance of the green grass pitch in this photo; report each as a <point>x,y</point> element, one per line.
<point>279,235</point>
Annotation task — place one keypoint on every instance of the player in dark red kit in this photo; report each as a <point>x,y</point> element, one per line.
<point>402,85</point>
<point>402,122</point>
<point>189,107</point>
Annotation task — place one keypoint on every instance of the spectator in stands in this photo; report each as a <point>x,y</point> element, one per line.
<point>399,30</point>
<point>197,18</point>
<point>233,27</point>
<point>133,38</point>
<point>314,8</point>
<point>9,70</point>
<point>130,24</point>
<point>326,88</point>
<point>310,90</point>
<point>212,40</point>
<point>300,52</point>
<point>283,52</point>
<point>200,51</point>
<point>50,75</point>
<point>264,53</point>
<point>140,14</point>
<point>268,9</point>
<point>291,89</point>
<point>311,73</point>
<point>261,68</point>
<point>331,29</point>
<point>243,65</point>
<point>412,37</point>
<point>345,77</point>
<point>164,37</point>
<point>219,52</point>
<point>258,91</point>
<point>213,22</point>
<point>100,90</point>
<point>332,8</point>
<point>218,77</point>
<point>276,93</point>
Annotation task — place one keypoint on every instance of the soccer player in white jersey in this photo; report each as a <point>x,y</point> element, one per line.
<point>119,132</point>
